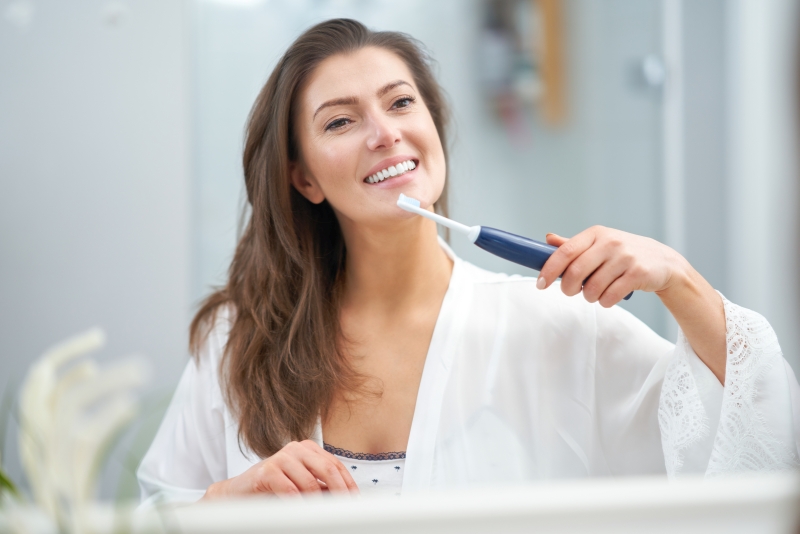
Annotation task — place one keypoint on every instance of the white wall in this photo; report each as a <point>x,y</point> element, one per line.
<point>704,139</point>
<point>94,180</point>
<point>764,197</point>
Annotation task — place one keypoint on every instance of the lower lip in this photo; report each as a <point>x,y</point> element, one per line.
<point>395,181</point>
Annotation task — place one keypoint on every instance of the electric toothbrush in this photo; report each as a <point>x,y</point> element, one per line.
<point>515,248</point>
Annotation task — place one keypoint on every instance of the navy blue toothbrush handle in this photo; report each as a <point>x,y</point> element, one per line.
<point>517,249</point>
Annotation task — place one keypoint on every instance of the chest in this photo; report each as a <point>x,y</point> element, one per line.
<point>390,355</point>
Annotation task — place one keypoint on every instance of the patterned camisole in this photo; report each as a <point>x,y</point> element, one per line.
<point>375,474</point>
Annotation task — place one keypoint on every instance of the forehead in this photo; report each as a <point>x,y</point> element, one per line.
<point>359,74</point>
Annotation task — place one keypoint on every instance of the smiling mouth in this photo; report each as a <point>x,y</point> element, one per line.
<point>391,171</point>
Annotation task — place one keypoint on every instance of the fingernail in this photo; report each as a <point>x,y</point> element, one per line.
<point>541,282</point>
<point>549,234</point>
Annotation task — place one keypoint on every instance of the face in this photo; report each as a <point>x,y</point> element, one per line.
<point>361,116</point>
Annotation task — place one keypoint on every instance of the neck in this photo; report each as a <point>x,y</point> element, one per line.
<point>391,267</point>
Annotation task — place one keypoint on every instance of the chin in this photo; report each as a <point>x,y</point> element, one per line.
<point>426,197</point>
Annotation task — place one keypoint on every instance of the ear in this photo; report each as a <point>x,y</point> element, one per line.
<point>305,185</point>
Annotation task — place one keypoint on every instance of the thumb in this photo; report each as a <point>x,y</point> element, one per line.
<point>555,240</point>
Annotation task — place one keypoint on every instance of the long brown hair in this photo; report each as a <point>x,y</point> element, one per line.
<point>283,362</point>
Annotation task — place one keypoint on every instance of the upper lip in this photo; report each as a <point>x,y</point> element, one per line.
<point>388,162</point>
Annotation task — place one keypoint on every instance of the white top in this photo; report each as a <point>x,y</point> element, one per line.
<point>521,384</point>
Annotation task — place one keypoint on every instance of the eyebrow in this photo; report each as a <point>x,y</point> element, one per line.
<point>351,100</point>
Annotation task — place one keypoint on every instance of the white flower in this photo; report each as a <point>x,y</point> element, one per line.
<point>70,410</point>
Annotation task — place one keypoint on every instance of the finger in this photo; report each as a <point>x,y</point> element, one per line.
<point>555,240</point>
<point>346,476</point>
<point>617,290</point>
<point>563,256</point>
<point>325,469</point>
<point>281,486</point>
<point>572,281</point>
<point>299,474</point>
<point>602,278</point>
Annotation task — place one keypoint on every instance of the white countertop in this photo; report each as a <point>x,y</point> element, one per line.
<point>761,504</point>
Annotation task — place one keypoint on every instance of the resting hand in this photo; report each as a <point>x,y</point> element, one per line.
<point>298,468</point>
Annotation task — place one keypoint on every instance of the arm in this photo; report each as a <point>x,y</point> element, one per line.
<point>299,467</point>
<point>608,264</point>
<point>745,426</point>
<point>188,459</point>
<point>698,309</point>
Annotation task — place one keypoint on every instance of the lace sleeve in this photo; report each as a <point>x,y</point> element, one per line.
<point>744,441</point>
<point>745,438</point>
<point>681,415</point>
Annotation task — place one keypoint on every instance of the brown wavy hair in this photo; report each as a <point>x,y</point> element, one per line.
<point>284,362</point>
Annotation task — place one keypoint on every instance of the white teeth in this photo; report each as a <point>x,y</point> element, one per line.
<point>394,170</point>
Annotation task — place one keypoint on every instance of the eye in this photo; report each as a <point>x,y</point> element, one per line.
<point>337,124</point>
<point>403,102</point>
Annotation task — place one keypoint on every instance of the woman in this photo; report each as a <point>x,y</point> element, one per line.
<point>351,349</point>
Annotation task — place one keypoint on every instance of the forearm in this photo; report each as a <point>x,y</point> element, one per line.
<point>699,311</point>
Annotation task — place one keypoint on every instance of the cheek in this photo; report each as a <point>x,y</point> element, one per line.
<point>433,146</point>
<point>430,136</point>
<point>332,166</point>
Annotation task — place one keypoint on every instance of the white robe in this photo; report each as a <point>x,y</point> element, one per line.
<point>521,384</point>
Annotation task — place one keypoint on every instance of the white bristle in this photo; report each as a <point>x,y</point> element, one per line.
<point>407,200</point>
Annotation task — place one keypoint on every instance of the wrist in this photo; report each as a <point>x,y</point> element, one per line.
<point>700,314</point>
<point>683,283</point>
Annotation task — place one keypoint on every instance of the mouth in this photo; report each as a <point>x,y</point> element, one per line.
<point>392,171</point>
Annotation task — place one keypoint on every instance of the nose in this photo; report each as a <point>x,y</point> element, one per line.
<point>383,133</point>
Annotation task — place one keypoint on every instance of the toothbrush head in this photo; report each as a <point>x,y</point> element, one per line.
<point>404,201</point>
<point>413,205</point>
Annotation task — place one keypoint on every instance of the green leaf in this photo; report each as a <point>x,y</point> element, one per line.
<point>7,485</point>
<point>6,409</point>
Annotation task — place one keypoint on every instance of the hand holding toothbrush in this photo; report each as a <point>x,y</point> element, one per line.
<point>515,248</point>
<point>607,264</point>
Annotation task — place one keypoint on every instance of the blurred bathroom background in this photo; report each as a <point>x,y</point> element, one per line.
<point>121,130</point>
